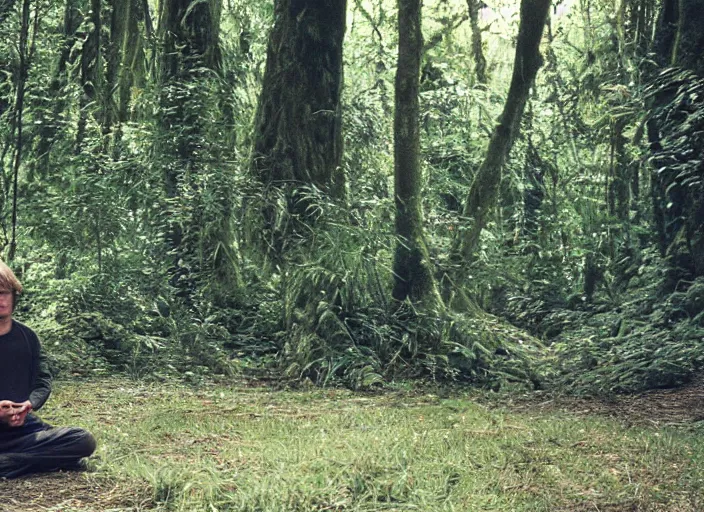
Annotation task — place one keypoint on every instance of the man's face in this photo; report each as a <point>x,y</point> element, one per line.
<point>5,304</point>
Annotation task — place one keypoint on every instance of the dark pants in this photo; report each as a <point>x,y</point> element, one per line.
<point>38,447</point>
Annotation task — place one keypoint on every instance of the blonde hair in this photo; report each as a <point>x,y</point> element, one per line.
<point>8,280</point>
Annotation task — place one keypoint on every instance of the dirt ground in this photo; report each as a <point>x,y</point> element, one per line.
<point>68,492</point>
<point>657,408</point>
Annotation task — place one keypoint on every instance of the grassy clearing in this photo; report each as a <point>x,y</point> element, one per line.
<point>253,449</point>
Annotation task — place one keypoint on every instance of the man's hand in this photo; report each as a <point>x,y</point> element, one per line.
<point>14,414</point>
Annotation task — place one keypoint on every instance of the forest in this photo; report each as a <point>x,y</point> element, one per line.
<point>365,200</point>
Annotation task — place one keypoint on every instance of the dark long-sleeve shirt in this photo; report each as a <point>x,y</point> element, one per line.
<point>23,370</point>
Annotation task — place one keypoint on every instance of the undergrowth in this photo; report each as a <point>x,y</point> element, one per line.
<point>342,325</point>
<point>323,314</point>
<point>641,343</point>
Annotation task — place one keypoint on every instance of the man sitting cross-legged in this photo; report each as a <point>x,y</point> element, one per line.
<point>27,444</point>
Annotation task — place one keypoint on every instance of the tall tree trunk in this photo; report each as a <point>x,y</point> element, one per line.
<point>413,270</point>
<point>123,56</point>
<point>678,207</point>
<point>620,250</point>
<point>56,103</point>
<point>199,233</point>
<point>189,33</point>
<point>533,193</point>
<point>19,122</point>
<point>298,136</point>
<point>148,27</point>
<point>91,71</point>
<point>119,21</point>
<point>477,48</point>
<point>484,190</point>
<point>620,193</point>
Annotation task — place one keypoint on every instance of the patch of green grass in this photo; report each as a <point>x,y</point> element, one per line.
<point>253,449</point>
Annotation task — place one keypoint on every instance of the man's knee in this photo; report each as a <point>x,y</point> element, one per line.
<point>85,443</point>
<point>82,442</point>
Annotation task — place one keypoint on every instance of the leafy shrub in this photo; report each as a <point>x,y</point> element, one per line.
<point>648,343</point>
<point>342,325</point>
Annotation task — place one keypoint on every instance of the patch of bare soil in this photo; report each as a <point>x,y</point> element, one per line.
<point>626,507</point>
<point>658,408</point>
<point>69,492</point>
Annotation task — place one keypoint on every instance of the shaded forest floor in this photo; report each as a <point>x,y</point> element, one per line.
<point>246,448</point>
<point>677,407</point>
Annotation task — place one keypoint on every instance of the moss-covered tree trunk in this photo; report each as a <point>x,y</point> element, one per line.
<point>51,116</point>
<point>198,211</point>
<point>533,193</point>
<point>118,32</point>
<point>91,70</point>
<point>124,47</point>
<point>678,203</point>
<point>477,47</point>
<point>620,175</point>
<point>189,34</point>
<point>21,83</point>
<point>298,137</point>
<point>484,191</point>
<point>413,272</point>
<point>131,70</point>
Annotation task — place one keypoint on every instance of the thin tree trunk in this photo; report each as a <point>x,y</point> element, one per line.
<point>477,48</point>
<point>484,190</point>
<point>19,110</point>
<point>148,25</point>
<point>131,71</point>
<point>618,189</point>
<point>622,174</point>
<point>413,270</point>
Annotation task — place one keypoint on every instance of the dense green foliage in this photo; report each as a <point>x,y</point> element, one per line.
<point>139,211</point>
